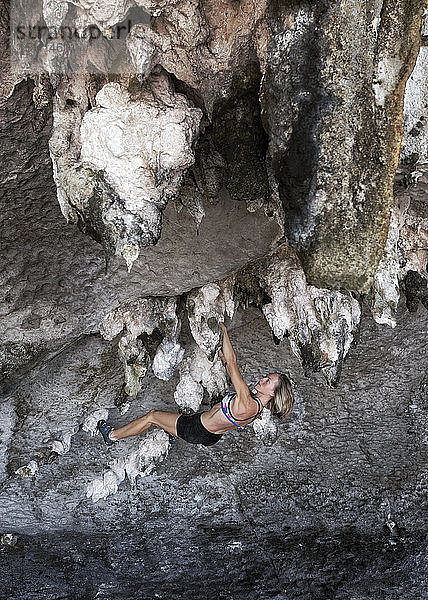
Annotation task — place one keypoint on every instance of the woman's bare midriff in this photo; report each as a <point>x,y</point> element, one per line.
<point>215,421</point>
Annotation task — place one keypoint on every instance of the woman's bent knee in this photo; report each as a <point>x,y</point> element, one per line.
<point>151,416</point>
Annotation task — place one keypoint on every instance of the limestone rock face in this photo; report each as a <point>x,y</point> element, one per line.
<point>198,374</point>
<point>207,307</point>
<point>406,248</point>
<point>141,462</point>
<point>319,324</point>
<point>222,161</point>
<point>131,161</point>
<point>89,12</point>
<point>337,72</point>
<point>335,467</point>
<point>201,43</point>
<point>55,284</point>
<point>256,73</point>
<point>149,329</point>
<point>414,148</point>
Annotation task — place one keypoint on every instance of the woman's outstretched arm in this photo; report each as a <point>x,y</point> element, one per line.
<point>228,355</point>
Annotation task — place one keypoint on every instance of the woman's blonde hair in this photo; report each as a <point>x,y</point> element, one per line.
<point>282,403</point>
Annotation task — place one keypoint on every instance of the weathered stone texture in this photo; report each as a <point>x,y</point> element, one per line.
<point>55,285</point>
<point>332,471</point>
<point>415,144</point>
<point>331,78</point>
<point>117,167</point>
<point>406,250</point>
<point>337,73</point>
<point>230,124</point>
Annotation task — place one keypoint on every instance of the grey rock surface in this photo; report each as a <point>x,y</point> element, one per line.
<point>414,148</point>
<point>55,282</point>
<point>332,105</point>
<point>275,84</point>
<point>406,249</point>
<point>240,122</point>
<point>333,477</point>
<point>117,166</point>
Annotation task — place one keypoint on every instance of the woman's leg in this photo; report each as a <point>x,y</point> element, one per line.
<point>165,420</point>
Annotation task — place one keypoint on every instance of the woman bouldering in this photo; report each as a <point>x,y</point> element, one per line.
<point>237,409</point>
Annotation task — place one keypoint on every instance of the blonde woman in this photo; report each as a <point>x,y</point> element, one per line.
<point>237,409</point>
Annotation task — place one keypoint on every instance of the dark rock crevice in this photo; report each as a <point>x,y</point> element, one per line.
<point>239,136</point>
<point>291,94</point>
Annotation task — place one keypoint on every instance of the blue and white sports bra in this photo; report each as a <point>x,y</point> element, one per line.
<point>225,407</point>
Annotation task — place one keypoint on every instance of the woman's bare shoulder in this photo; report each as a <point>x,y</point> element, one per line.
<point>245,398</point>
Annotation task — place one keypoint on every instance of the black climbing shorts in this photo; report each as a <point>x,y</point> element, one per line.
<point>190,429</point>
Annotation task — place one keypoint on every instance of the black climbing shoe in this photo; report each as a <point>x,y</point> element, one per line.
<point>105,429</point>
<point>172,440</point>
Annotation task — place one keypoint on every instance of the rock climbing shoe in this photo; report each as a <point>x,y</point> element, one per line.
<point>105,429</point>
<point>172,440</point>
